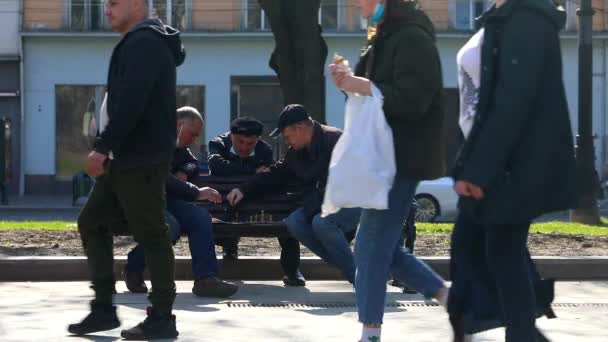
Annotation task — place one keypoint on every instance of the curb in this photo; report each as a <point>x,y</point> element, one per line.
<point>269,268</point>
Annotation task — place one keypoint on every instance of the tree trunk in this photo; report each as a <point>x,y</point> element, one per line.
<point>300,52</point>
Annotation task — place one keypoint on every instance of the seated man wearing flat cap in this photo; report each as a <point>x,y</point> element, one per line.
<point>307,163</point>
<point>241,152</point>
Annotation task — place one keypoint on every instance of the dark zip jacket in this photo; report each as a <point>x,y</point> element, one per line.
<point>141,96</point>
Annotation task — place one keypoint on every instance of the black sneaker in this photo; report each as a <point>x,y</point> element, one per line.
<point>101,318</point>
<point>214,287</point>
<point>153,327</point>
<point>294,279</point>
<point>230,255</point>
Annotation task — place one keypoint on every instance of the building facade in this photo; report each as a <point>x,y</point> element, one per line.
<point>10,93</point>
<point>66,49</point>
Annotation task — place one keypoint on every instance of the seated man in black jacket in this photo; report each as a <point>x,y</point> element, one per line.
<point>193,220</point>
<point>307,163</point>
<point>237,153</point>
<point>241,152</point>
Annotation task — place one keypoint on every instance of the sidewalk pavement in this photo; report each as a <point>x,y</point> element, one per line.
<point>268,312</point>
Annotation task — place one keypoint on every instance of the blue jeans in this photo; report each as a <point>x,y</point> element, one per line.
<point>326,236</point>
<point>377,254</point>
<point>194,221</point>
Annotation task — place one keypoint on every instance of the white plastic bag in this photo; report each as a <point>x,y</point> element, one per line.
<point>362,166</point>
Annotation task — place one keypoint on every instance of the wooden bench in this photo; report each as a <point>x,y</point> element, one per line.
<point>255,216</point>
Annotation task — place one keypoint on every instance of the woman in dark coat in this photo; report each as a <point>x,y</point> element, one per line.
<point>516,164</point>
<point>401,60</point>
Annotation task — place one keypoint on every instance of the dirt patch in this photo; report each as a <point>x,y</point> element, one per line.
<point>67,243</point>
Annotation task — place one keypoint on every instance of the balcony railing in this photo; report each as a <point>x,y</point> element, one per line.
<point>247,15</point>
<point>185,15</point>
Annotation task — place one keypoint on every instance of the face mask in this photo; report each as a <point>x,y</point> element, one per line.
<point>378,14</point>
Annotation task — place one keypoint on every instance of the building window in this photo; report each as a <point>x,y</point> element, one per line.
<point>87,15</point>
<point>180,14</point>
<point>329,14</point>
<point>464,12</point>
<point>175,13</point>
<point>158,9</point>
<point>253,16</point>
<point>194,96</point>
<point>76,125</point>
<point>260,97</point>
<point>77,115</point>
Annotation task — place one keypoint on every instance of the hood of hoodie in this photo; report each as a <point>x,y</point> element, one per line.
<point>406,13</point>
<point>556,15</point>
<point>169,34</point>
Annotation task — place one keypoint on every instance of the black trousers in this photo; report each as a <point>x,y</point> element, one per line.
<point>290,252</point>
<point>136,196</point>
<point>494,279</point>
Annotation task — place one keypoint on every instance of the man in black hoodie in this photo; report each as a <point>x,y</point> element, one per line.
<point>131,160</point>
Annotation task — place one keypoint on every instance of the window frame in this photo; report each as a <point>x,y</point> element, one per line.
<point>88,16</point>
<point>472,14</point>
<point>339,14</point>
<point>263,25</point>
<point>168,20</point>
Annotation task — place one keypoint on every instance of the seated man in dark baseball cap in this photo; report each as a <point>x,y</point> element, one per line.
<point>241,152</point>
<point>307,163</point>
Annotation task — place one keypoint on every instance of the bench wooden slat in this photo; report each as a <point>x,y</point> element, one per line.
<point>235,222</point>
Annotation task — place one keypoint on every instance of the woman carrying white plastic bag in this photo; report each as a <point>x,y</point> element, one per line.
<point>364,156</point>
<point>402,60</point>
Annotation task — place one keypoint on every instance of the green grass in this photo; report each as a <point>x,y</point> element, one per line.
<point>37,225</point>
<point>426,228</point>
<point>423,228</point>
<point>569,229</point>
<point>544,228</point>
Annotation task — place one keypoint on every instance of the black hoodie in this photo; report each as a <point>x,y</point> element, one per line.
<point>141,96</point>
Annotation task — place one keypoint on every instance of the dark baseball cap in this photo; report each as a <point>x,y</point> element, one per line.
<point>290,115</point>
<point>246,126</point>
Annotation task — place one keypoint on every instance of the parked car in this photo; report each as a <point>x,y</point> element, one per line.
<point>437,201</point>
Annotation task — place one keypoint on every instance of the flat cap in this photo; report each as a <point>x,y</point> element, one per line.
<point>246,126</point>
